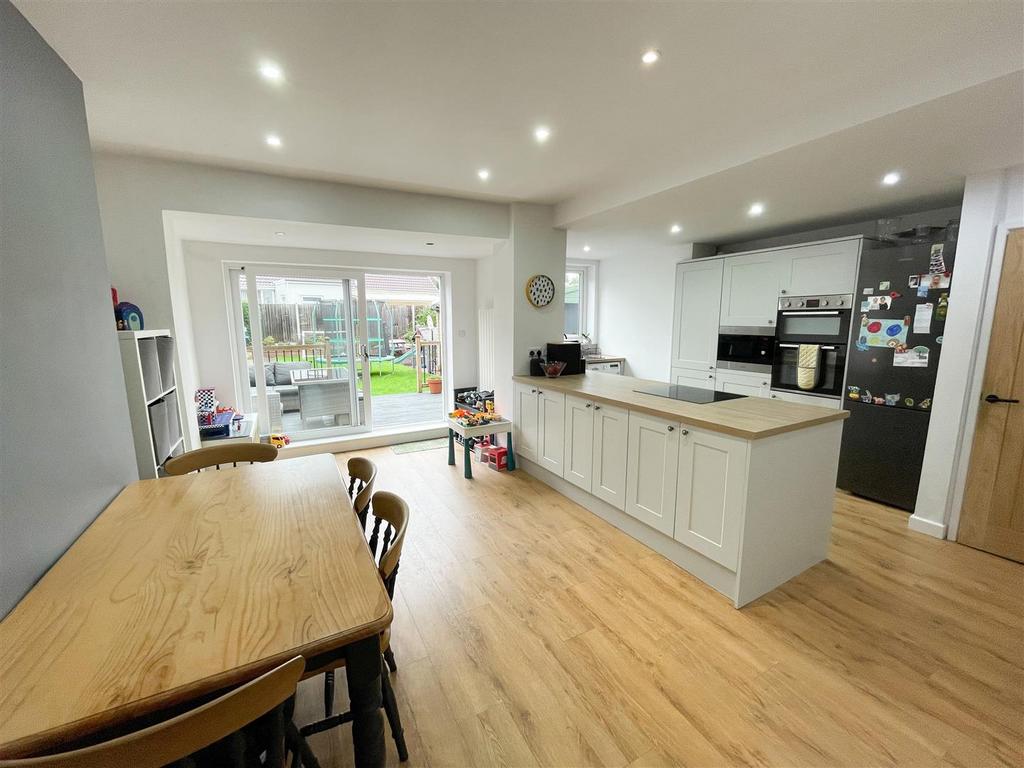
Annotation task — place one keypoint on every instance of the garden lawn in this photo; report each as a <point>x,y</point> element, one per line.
<point>385,382</point>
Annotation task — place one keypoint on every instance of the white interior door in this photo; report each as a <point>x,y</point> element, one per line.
<point>305,331</point>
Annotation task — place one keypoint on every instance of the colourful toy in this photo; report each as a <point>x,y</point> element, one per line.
<point>497,458</point>
<point>279,440</point>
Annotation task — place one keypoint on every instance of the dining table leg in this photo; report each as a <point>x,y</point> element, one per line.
<point>363,670</point>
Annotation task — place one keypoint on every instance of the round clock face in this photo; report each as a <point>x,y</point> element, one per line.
<point>540,290</point>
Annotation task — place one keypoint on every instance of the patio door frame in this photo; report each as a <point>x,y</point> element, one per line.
<point>251,271</point>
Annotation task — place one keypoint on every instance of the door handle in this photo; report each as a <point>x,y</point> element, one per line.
<point>993,398</point>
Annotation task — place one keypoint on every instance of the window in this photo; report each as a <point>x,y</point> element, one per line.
<point>575,309</point>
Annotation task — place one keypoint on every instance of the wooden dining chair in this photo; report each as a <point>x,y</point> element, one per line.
<point>214,733</point>
<point>362,473</point>
<point>217,456</point>
<point>391,520</point>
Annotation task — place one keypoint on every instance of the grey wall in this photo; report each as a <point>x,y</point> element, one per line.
<point>65,444</point>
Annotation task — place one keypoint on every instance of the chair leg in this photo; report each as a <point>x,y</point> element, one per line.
<point>297,745</point>
<point>394,719</point>
<point>329,693</point>
<point>389,657</point>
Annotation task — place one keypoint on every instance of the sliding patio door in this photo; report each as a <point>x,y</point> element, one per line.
<point>302,349</point>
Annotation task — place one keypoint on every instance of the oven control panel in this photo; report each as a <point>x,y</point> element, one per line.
<point>836,301</point>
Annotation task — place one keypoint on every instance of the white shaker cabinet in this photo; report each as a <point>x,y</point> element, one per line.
<point>743,383</point>
<point>711,494</point>
<point>652,457</point>
<point>578,454</point>
<point>551,430</point>
<point>611,437</point>
<point>526,420</point>
<point>825,268</point>
<point>751,285</point>
<point>695,317</point>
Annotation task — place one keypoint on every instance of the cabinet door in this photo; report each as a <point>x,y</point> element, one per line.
<point>711,498</point>
<point>611,435</point>
<point>689,378</point>
<point>551,430</point>
<point>579,442</point>
<point>695,319</point>
<point>750,288</point>
<point>526,421</point>
<point>823,269</point>
<point>651,467</point>
<point>743,383</point>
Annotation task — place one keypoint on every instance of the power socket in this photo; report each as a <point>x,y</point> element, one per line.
<point>536,352</point>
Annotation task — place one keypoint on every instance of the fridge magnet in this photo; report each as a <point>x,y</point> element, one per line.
<point>914,281</point>
<point>937,264</point>
<point>938,339</point>
<point>909,402</point>
<point>866,395</point>
<point>911,358</point>
<point>926,403</point>
<point>862,344</point>
<point>879,401</point>
<point>884,285</point>
<point>940,311</point>
<point>853,393</point>
<point>922,291</point>
<point>938,281</point>
<point>868,291</point>
<point>873,303</point>
<point>879,332</point>
<point>923,318</point>
<point>895,295</point>
<point>892,399</point>
<point>863,321</point>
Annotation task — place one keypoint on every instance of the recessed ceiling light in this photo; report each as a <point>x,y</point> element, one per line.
<point>756,209</point>
<point>541,133</point>
<point>650,56</point>
<point>484,174</point>
<point>892,177</point>
<point>273,140</point>
<point>675,229</point>
<point>279,234</point>
<point>271,72</point>
<point>586,249</point>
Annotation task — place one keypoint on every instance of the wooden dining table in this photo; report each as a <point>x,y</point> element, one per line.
<point>186,586</point>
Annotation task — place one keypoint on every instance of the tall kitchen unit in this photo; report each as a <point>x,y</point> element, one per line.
<point>895,344</point>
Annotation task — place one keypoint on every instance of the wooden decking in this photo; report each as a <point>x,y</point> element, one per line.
<point>388,411</point>
<point>529,632</point>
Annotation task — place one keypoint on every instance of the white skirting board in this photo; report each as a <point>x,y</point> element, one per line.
<point>787,522</point>
<point>929,527</point>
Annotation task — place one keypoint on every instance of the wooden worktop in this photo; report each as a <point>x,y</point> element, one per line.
<point>184,586</point>
<point>747,417</point>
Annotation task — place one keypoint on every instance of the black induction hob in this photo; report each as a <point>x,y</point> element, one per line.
<point>688,394</point>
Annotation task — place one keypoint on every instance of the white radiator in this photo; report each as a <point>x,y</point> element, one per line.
<point>485,336</point>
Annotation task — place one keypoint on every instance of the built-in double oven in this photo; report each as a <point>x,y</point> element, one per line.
<point>812,333</point>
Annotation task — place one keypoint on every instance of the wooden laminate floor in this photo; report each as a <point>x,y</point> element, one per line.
<point>529,632</point>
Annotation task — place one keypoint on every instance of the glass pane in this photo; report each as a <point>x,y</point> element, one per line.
<point>573,285</point>
<point>811,325</point>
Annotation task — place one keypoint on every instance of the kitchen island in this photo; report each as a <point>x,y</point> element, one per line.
<point>739,493</point>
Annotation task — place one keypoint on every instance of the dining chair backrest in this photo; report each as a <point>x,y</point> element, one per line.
<point>362,473</point>
<point>175,739</point>
<point>217,456</point>
<point>391,519</point>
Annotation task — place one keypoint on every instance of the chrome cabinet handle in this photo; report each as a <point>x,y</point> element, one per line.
<point>597,407</point>
<point>684,432</point>
<point>590,405</point>
<point>671,429</point>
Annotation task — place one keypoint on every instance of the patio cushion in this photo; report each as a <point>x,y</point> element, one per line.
<point>283,372</point>
<point>268,375</point>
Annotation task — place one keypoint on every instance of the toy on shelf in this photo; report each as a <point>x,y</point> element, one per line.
<point>497,458</point>
<point>279,440</point>
<point>474,418</point>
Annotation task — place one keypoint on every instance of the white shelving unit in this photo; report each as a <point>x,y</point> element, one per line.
<point>147,358</point>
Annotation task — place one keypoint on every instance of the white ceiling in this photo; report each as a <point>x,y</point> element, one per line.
<point>242,230</point>
<point>420,95</point>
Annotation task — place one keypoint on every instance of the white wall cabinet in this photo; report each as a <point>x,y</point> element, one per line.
<point>825,268</point>
<point>652,457</point>
<point>611,438</point>
<point>578,453</point>
<point>551,430</point>
<point>743,383</point>
<point>526,421</point>
<point>711,494</point>
<point>751,285</point>
<point>690,378</point>
<point>696,315</point>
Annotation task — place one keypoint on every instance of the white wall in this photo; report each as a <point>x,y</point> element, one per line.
<point>990,200</point>
<point>65,444</point>
<point>134,192</point>
<point>211,316</point>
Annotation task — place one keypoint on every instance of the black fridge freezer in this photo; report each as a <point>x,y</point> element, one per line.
<point>903,292</point>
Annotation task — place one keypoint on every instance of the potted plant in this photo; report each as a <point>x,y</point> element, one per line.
<point>434,385</point>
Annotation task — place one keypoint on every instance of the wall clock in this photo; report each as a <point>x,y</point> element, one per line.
<point>540,290</point>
